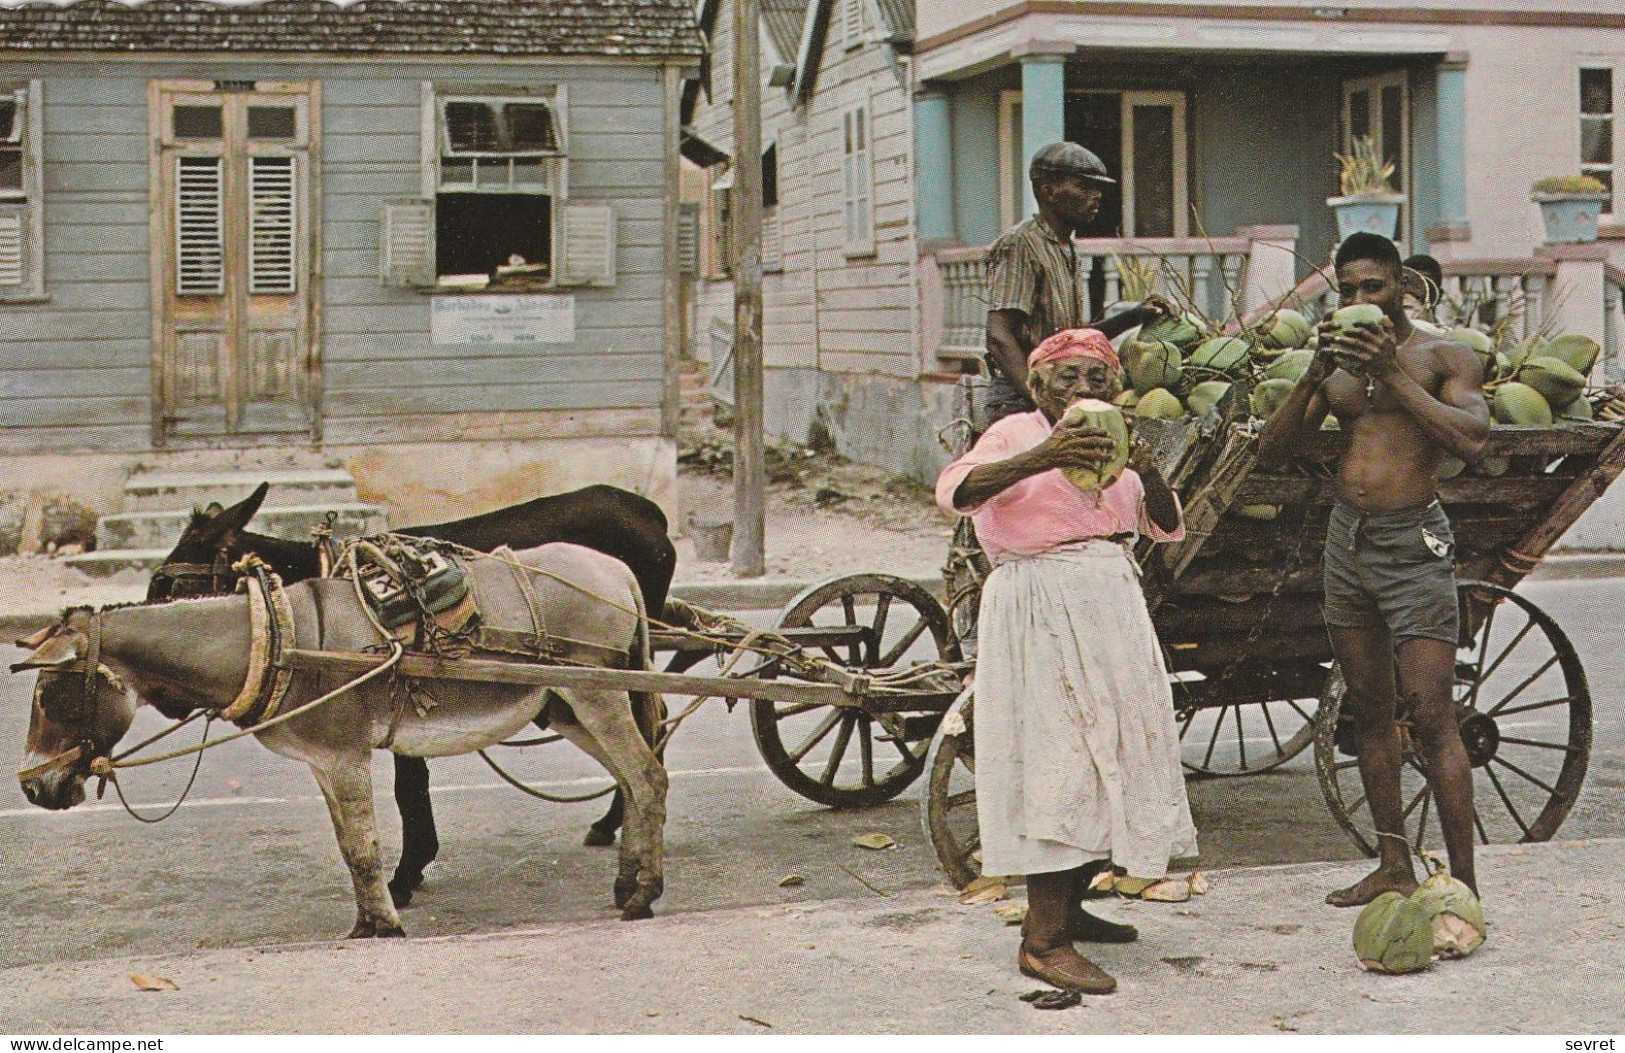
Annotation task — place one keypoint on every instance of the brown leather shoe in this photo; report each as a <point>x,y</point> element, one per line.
<point>1087,928</point>
<point>1065,968</point>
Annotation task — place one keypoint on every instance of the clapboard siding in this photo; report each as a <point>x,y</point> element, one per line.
<point>83,359</point>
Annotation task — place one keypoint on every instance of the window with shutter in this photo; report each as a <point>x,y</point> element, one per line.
<point>21,184</point>
<point>200,248</point>
<point>853,22</point>
<point>858,182</point>
<point>273,237</point>
<point>688,239</point>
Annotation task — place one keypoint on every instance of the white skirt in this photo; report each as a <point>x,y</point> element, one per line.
<point>1077,755</point>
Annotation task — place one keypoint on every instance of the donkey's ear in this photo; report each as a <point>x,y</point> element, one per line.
<point>33,640</point>
<point>238,515</point>
<point>214,509</point>
<point>61,649</point>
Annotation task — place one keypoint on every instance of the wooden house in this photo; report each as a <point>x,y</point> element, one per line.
<point>432,242</point>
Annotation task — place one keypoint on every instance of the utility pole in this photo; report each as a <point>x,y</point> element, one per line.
<point>750,470</point>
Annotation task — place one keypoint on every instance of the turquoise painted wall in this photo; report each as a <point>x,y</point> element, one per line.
<point>976,160</point>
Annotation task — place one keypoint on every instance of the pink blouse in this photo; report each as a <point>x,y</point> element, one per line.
<point>1044,511</point>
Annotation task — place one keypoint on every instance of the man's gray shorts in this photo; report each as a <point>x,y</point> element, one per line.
<point>1392,568</point>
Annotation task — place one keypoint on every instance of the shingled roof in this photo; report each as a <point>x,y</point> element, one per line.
<point>627,28</point>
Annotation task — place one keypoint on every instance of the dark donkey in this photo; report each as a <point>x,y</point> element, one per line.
<point>613,521</point>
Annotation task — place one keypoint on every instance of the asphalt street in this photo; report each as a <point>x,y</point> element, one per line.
<point>250,857</point>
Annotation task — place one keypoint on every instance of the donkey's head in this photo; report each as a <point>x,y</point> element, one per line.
<point>79,713</point>
<point>199,563</point>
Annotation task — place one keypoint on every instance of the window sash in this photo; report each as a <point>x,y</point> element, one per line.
<point>1598,106</point>
<point>858,181</point>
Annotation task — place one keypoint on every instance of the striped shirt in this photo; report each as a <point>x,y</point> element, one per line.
<point>1033,269</point>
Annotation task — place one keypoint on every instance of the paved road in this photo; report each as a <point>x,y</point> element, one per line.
<point>250,857</point>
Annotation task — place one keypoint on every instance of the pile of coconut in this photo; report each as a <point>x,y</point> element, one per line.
<point>1396,933</point>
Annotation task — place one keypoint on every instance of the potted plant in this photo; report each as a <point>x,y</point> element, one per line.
<point>1369,201</point>
<point>1570,206</point>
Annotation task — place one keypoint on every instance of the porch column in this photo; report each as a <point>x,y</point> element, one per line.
<point>1043,111</point>
<point>1451,118</point>
<point>933,166</point>
<point>1581,283</point>
<point>1271,264</point>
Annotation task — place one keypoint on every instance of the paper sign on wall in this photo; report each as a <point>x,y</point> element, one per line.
<point>510,319</point>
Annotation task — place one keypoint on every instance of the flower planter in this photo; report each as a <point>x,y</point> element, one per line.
<point>1571,219</point>
<point>1372,213</point>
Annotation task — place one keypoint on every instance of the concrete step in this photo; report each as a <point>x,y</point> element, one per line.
<point>161,529</point>
<point>106,564</point>
<point>169,491</point>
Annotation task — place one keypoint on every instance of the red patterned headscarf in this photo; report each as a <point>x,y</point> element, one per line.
<point>1075,343</point>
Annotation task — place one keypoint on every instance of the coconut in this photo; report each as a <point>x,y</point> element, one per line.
<point>1206,395</point>
<point>1517,403</point>
<point>1133,886</point>
<point>1449,468</point>
<point>1492,467</point>
<point>1430,328</point>
<point>1578,410</point>
<point>1289,329</point>
<point>1222,353</point>
<point>1557,381</point>
<point>1105,417</point>
<point>1580,352</point>
<point>1394,934</point>
<point>1153,365</point>
<point>1183,331</point>
<point>1357,314</point>
<point>1476,339</point>
<point>1126,399</point>
<point>1456,914</point>
<point>1290,366</point>
<point>1160,403</point>
<point>1503,366</point>
<point>1168,890</point>
<point>1262,513</point>
<point>1270,396</point>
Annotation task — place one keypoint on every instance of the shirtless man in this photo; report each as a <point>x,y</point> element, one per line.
<point>1406,400</point>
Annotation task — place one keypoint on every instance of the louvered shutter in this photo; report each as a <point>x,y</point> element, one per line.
<point>406,244</point>
<point>200,250</point>
<point>589,245</point>
<point>772,242</point>
<point>14,231</point>
<point>688,240</point>
<point>273,235</point>
<point>852,22</point>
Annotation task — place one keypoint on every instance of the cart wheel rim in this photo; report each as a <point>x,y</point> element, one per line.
<point>1525,720</point>
<point>847,757</point>
<point>948,798</point>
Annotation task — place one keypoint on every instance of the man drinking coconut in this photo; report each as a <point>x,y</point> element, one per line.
<point>1077,754</point>
<point>1406,400</point>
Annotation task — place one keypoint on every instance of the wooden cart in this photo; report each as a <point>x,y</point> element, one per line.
<point>1237,606</point>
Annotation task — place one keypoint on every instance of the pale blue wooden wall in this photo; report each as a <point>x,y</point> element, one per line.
<point>75,373</point>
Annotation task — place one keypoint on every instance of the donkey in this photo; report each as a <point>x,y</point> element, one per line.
<point>613,521</point>
<point>182,657</point>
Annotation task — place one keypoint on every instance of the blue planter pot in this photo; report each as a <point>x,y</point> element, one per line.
<point>1374,214</point>
<point>1571,219</point>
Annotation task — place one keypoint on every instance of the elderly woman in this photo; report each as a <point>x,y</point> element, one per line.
<point>1077,756</point>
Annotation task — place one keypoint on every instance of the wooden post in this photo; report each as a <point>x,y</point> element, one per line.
<point>750,475</point>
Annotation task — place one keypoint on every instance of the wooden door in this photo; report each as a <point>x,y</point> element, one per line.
<point>235,343</point>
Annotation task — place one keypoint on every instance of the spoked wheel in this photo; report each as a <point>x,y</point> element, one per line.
<point>1525,717</point>
<point>964,572</point>
<point>1242,739</point>
<point>842,756</point>
<point>948,803</point>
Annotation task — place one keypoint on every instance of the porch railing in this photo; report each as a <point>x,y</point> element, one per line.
<point>1208,273</point>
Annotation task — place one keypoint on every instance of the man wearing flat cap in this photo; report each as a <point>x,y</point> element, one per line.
<point>1034,287</point>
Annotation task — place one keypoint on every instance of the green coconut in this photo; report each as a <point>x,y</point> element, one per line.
<point>1126,399</point>
<point>1457,917</point>
<point>1149,364</point>
<point>1516,403</point>
<point>1268,397</point>
<point>1492,467</point>
<point>1183,331</point>
<point>1222,353</point>
<point>1357,314</point>
<point>1476,339</point>
<point>1580,352</point>
<point>1206,395</point>
<point>1503,366</point>
<point>1262,513</point>
<point>1160,403</point>
<point>1578,410</point>
<point>1289,329</point>
<point>1105,417</point>
<point>1430,328</point>
<point>1394,934</point>
<point>1449,468</point>
<point>1290,366</point>
<point>1557,381</point>
<point>1533,347</point>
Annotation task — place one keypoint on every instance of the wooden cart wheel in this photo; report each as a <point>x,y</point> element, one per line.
<point>948,801</point>
<point>964,572</point>
<point>841,756</point>
<point>1242,739</point>
<point>1525,710</point>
